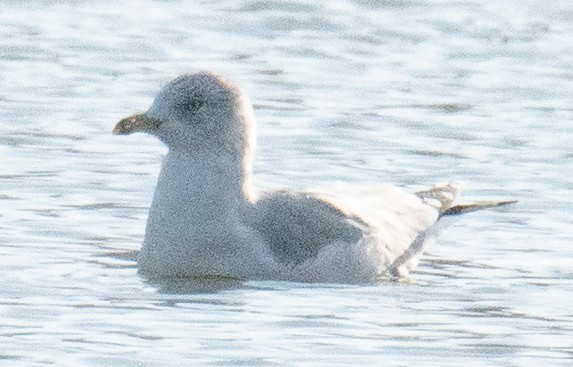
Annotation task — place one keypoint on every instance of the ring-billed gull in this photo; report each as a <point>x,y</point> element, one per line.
<point>205,220</point>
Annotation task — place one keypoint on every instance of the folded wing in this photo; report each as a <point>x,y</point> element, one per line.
<point>299,225</point>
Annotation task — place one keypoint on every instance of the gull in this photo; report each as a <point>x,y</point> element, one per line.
<point>206,220</point>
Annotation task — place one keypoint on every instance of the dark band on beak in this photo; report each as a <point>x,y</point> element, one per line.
<point>135,123</point>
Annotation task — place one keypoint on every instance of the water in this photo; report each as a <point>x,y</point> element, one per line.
<point>405,92</point>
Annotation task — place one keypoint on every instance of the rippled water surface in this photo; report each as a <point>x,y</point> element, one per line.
<point>403,92</point>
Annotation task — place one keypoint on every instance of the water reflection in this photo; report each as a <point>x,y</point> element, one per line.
<point>179,285</point>
<point>194,285</point>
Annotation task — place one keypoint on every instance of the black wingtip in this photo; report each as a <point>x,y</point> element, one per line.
<point>468,208</point>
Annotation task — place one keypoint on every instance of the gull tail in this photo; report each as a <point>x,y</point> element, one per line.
<point>442,196</point>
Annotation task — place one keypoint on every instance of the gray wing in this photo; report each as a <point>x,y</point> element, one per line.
<point>296,225</point>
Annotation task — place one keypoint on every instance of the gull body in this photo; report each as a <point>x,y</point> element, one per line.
<point>206,220</point>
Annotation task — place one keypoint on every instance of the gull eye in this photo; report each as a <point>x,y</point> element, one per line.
<point>189,104</point>
<point>195,103</point>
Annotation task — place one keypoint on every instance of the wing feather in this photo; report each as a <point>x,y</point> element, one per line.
<point>298,225</point>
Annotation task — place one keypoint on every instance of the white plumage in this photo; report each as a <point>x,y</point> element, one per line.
<point>205,219</point>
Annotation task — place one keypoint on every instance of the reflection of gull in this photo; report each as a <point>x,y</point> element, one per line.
<point>204,219</point>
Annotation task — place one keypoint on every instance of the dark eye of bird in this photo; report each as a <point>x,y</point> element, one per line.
<point>195,103</point>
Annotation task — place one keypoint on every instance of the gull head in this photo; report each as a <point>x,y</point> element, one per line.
<point>196,112</point>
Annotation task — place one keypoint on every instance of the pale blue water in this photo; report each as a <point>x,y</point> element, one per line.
<point>403,92</point>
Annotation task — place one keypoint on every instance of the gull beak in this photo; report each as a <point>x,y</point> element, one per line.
<point>136,122</point>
